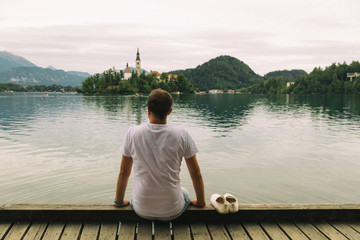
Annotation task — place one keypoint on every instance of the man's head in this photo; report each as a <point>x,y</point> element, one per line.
<point>159,103</point>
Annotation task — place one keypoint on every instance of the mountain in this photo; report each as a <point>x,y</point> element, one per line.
<point>79,74</point>
<point>288,75</point>
<point>9,60</point>
<point>76,73</point>
<point>220,73</point>
<point>51,67</point>
<point>16,69</point>
<point>39,76</point>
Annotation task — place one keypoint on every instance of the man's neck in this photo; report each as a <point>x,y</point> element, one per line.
<point>158,121</point>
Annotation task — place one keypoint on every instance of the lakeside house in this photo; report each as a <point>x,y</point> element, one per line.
<point>288,84</point>
<point>216,91</point>
<point>172,76</point>
<point>353,75</point>
<point>155,74</point>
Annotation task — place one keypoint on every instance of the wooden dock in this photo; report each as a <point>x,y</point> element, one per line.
<point>260,221</point>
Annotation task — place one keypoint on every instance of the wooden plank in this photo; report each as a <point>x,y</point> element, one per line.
<point>127,230</point>
<point>144,230</point>
<point>36,231</point>
<point>71,231</point>
<point>273,230</point>
<point>218,231</point>
<point>162,230</point>
<point>97,207</point>
<point>108,230</point>
<point>346,230</point>
<point>355,225</point>
<point>181,231</point>
<point>199,231</point>
<point>90,231</point>
<point>237,231</point>
<point>255,231</point>
<point>310,231</point>
<point>292,231</point>
<point>17,231</point>
<point>54,231</point>
<point>4,228</point>
<point>329,231</point>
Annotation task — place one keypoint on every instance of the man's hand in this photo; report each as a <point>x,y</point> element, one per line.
<point>126,202</point>
<point>198,204</point>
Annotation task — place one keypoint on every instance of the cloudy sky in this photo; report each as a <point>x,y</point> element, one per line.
<point>92,36</point>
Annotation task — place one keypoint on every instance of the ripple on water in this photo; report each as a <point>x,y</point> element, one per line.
<point>65,149</point>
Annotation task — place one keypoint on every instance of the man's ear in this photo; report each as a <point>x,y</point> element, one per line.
<point>169,111</point>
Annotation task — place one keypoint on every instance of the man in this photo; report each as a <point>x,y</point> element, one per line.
<point>156,149</point>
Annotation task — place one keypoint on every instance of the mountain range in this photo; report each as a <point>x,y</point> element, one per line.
<point>220,72</point>
<point>16,69</point>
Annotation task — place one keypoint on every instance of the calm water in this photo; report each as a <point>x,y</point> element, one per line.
<point>264,149</point>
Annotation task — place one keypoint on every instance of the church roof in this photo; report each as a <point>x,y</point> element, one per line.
<point>128,70</point>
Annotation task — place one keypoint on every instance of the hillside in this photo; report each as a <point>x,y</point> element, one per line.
<point>220,73</point>
<point>290,76</point>
<point>39,76</point>
<point>16,69</point>
<point>9,60</point>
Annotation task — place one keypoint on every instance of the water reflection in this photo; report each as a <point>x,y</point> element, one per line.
<point>124,106</point>
<point>225,112</point>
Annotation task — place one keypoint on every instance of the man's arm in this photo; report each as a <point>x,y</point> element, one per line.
<point>198,183</point>
<point>125,171</point>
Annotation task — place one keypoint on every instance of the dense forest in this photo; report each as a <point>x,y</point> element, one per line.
<point>38,88</point>
<point>223,72</point>
<point>332,79</point>
<point>109,82</point>
<point>289,75</point>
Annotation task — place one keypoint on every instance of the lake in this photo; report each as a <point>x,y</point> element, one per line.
<point>64,148</point>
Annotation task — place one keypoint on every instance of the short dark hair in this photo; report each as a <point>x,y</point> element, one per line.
<point>159,103</point>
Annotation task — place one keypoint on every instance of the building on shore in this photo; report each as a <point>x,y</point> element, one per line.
<point>353,75</point>
<point>216,91</point>
<point>155,74</point>
<point>127,72</point>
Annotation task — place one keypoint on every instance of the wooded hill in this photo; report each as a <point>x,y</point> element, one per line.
<point>223,72</point>
<point>289,75</point>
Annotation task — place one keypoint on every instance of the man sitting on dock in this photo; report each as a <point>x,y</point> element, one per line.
<point>156,149</point>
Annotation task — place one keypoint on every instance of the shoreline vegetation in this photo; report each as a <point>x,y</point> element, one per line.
<point>330,80</point>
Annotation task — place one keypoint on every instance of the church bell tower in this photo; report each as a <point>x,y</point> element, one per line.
<point>138,63</point>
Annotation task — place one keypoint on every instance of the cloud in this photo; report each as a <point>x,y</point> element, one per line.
<point>96,47</point>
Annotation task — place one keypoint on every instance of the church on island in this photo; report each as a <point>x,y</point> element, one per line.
<point>128,72</point>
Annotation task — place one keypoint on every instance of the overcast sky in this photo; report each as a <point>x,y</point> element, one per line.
<point>268,35</point>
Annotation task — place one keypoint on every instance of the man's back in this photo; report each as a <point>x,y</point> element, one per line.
<point>157,151</point>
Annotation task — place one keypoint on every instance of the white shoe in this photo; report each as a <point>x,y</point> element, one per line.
<point>233,203</point>
<point>219,203</point>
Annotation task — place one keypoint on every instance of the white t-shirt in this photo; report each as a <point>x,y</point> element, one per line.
<point>157,151</point>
